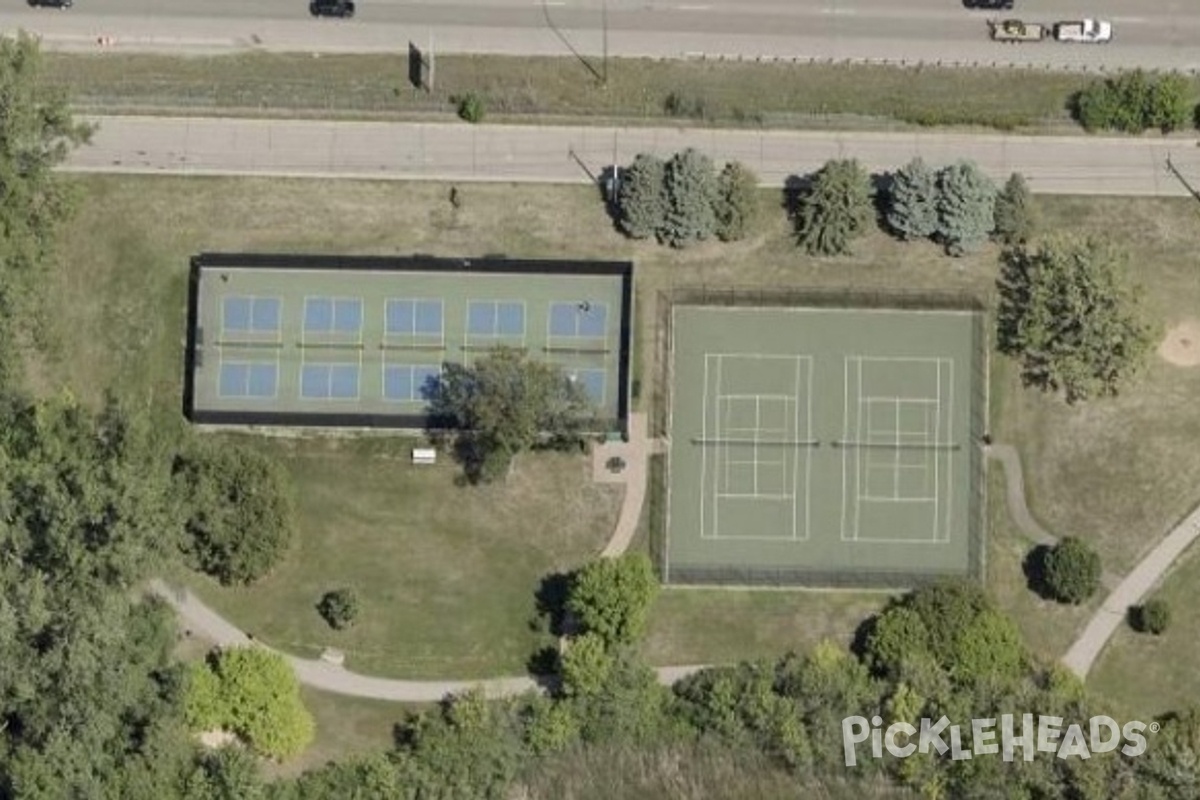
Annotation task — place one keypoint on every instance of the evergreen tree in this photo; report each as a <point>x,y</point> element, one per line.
<point>1016,214</point>
<point>737,202</point>
<point>835,210</point>
<point>913,207</point>
<point>642,197</point>
<point>691,185</point>
<point>966,207</point>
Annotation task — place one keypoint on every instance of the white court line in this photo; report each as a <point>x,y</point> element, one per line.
<point>717,456</point>
<point>670,366</point>
<point>796,467</point>
<point>885,499</point>
<point>704,433</point>
<point>897,399</point>
<point>754,496</point>
<point>937,431</point>
<point>896,474</point>
<point>949,456</point>
<point>857,465</point>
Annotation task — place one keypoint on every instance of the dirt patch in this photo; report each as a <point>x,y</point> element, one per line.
<point>1181,346</point>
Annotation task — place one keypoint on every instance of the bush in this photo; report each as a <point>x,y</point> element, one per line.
<point>691,188</point>
<point>1072,571</point>
<point>253,693</point>
<point>678,104</point>
<point>737,204</point>
<point>913,201</point>
<point>1134,102</point>
<point>1152,617</point>
<point>339,608</point>
<point>238,507</point>
<point>611,597</point>
<point>1016,214</point>
<point>966,207</point>
<point>642,197</point>
<point>471,107</point>
<point>835,210</point>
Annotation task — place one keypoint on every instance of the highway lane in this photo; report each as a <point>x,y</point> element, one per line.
<point>1153,33</point>
<point>460,152</point>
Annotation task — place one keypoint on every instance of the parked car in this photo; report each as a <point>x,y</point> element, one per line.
<point>331,8</point>
<point>62,5</point>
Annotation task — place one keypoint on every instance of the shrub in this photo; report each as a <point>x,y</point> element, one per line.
<point>339,608</point>
<point>238,507</point>
<point>835,210</point>
<point>1152,617</point>
<point>737,202</point>
<point>1167,103</point>
<point>966,207</point>
<point>642,197</point>
<point>611,597</point>
<point>471,107</point>
<point>678,104</point>
<point>1016,214</point>
<point>1134,102</point>
<point>1072,571</point>
<point>913,201</point>
<point>691,188</point>
<point>253,693</point>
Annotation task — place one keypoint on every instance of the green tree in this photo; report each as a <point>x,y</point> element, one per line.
<point>1016,213</point>
<point>257,697</point>
<point>550,726</point>
<point>1072,571</point>
<point>989,648</point>
<point>239,510</point>
<point>586,666</point>
<point>642,197</point>
<point>691,187</point>
<point>835,209</point>
<point>737,205</point>
<point>898,634</point>
<point>611,597</point>
<point>88,689</point>
<point>506,403</point>
<point>339,608</point>
<point>913,201</point>
<point>228,773</point>
<point>966,207</point>
<point>37,133</point>
<point>471,107</point>
<point>1152,617</point>
<point>1168,102</point>
<point>1067,314</point>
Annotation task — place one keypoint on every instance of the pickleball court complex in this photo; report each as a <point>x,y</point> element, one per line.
<point>823,444</point>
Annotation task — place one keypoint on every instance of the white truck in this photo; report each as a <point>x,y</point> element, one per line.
<point>1089,31</point>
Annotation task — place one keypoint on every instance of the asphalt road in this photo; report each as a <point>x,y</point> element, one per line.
<point>462,152</point>
<point>1151,33</point>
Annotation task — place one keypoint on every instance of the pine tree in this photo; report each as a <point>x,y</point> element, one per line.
<point>835,210</point>
<point>913,207</point>
<point>737,201</point>
<point>691,184</point>
<point>1016,214</point>
<point>966,207</point>
<point>642,198</point>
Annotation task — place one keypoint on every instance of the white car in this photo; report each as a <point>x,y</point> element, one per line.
<point>1092,31</point>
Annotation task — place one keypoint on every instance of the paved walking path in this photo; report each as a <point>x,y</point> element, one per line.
<point>1130,592</point>
<point>329,677</point>
<point>561,154</point>
<point>636,454</point>
<point>1018,506</point>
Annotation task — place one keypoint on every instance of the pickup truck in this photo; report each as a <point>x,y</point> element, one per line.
<point>1013,30</point>
<point>1088,30</point>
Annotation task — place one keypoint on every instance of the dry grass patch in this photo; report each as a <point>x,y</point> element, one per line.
<point>550,89</point>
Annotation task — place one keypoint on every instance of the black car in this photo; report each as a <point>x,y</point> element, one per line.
<point>62,4</point>
<point>331,8</point>
<point>990,5</point>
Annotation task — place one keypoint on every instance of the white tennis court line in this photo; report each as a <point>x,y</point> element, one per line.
<point>703,450</point>
<point>670,367</point>
<point>937,430</point>
<point>949,454</point>
<point>723,416</point>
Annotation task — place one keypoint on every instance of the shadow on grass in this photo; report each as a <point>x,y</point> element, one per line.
<point>1034,568</point>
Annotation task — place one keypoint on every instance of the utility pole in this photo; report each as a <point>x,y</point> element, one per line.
<point>604,25</point>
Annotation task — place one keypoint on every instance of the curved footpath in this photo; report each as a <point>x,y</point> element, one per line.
<point>334,678</point>
<point>1123,594</point>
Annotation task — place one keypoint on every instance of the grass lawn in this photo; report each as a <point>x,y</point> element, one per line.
<point>639,90</point>
<point>445,574</point>
<point>451,591</point>
<point>1146,675</point>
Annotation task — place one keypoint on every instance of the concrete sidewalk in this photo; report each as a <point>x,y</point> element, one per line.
<point>576,155</point>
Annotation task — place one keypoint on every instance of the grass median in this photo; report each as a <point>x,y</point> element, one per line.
<point>639,91</point>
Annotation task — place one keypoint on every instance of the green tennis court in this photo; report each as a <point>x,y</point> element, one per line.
<point>822,445</point>
<point>363,341</point>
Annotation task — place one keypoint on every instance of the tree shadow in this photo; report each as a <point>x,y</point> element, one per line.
<point>551,602</point>
<point>794,188</point>
<point>543,662</point>
<point>1034,569</point>
<point>881,197</point>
